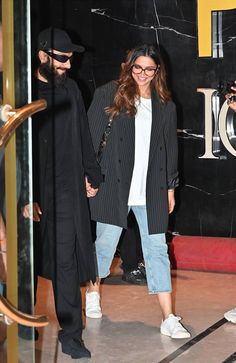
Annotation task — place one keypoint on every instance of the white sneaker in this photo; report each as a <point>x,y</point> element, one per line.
<point>93,308</point>
<point>231,315</point>
<point>173,328</point>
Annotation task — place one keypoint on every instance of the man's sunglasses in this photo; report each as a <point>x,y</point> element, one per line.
<point>58,57</point>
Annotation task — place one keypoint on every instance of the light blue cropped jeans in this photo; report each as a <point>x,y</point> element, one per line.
<point>154,252</point>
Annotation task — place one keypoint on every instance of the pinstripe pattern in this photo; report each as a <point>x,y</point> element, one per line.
<point>110,204</point>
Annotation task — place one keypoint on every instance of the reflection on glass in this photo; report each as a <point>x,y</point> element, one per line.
<point>21,89</point>
<point>3,245</point>
<point>2,219</point>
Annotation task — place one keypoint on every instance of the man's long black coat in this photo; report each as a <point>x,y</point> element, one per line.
<point>84,164</point>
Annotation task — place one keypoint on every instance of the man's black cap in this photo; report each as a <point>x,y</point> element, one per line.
<point>57,39</point>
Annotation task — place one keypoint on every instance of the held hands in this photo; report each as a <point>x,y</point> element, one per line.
<point>171,200</point>
<point>34,209</point>
<point>91,192</point>
<point>230,101</point>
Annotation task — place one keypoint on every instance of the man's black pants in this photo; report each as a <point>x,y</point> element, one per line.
<point>66,283</point>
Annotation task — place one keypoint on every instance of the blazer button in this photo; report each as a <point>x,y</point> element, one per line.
<point>161,169</point>
<point>119,161</point>
<point>118,180</point>
<point>121,138</point>
<point>162,188</point>
<point>160,147</point>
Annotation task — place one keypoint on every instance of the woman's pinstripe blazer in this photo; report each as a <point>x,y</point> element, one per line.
<point>110,204</point>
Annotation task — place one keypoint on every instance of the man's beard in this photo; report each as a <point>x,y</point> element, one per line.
<point>51,74</point>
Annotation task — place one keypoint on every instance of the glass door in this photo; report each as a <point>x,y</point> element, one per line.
<point>16,232</point>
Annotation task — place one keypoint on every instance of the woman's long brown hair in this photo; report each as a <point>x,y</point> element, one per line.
<point>127,89</point>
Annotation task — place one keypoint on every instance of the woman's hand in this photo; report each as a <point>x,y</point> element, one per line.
<point>171,200</point>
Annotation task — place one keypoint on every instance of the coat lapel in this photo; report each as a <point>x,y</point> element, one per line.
<point>157,120</point>
<point>127,132</point>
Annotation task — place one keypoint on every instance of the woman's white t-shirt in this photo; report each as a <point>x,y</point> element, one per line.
<point>143,125</point>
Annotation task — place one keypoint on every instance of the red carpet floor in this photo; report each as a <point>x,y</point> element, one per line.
<point>203,253</point>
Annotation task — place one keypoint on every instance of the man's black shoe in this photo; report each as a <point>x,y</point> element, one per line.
<point>134,277</point>
<point>142,268</point>
<point>75,348</point>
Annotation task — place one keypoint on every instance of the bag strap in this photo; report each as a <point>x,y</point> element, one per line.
<point>104,139</point>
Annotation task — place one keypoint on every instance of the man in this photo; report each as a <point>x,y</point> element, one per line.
<point>65,174</point>
<point>231,101</point>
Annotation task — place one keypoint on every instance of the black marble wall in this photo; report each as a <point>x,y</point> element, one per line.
<point>206,198</point>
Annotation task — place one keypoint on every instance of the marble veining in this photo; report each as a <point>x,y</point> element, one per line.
<point>103,12</point>
<point>188,134</point>
<point>210,193</point>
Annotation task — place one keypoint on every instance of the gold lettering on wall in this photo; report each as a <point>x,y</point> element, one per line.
<point>205,8</point>
<point>221,125</point>
<point>223,129</point>
<point>208,92</point>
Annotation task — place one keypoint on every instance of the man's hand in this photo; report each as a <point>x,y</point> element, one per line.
<point>91,192</point>
<point>28,209</point>
<point>171,200</point>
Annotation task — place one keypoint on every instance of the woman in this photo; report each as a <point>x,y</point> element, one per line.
<point>139,164</point>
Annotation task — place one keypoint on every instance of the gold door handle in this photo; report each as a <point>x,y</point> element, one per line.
<point>15,117</point>
<point>11,315</point>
